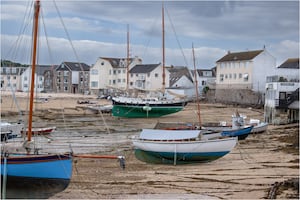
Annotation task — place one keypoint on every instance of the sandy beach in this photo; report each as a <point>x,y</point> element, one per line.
<point>255,166</point>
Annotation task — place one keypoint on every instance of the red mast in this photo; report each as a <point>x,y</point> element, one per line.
<point>34,49</point>
<point>196,87</point>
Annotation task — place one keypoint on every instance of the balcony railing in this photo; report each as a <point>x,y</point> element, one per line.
<point>284,103</point>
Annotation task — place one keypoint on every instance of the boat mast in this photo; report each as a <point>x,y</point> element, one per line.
<point>163,50</point>
<point>127,83</point>
<point>196,87</point>
<point>34,49</point>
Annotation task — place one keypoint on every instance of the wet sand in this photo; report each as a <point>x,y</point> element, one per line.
<point>247,172</point>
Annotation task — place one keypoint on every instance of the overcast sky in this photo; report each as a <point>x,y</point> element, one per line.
<point>99,29</point>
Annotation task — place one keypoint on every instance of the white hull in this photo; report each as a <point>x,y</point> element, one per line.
<point>14,128</point>
<point>204,146</point>
<point>261,127</point>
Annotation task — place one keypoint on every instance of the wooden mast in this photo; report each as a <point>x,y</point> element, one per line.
<point>163,50</point>
<point>127,78</point>
<point>34,49</point>
<point>196,88</point>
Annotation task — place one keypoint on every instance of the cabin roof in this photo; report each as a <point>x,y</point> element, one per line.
<point>144,68</point>
<point>291,63</point>
<point>246,55</point>
<point>155,134</point>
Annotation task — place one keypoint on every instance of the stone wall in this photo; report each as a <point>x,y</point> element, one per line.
<point>235,96</point>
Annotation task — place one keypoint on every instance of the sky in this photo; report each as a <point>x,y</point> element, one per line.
<point>83,31</point>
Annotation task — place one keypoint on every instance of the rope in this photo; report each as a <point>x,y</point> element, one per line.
<point>185,60</point>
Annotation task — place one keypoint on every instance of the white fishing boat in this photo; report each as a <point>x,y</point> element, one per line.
<point>179,147</point>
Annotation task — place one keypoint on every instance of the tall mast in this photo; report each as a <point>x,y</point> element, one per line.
<point>34,49</point>
<point>196,87</point>
<point>127,78</point>
<point>163,50</point>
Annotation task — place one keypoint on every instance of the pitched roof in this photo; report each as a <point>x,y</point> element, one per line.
<point>247,55</point>
<point>40,69</point>
<point>291,63</point>
<point>177,72</point>
<point>201,72</point>
<point>9,71</point>
<point>118,62</point>
<point>74,66</point>
<point>146,68</point>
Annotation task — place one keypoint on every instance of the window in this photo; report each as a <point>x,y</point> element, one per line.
<point>124,80</point>
<point>119,71</point>
<point>115,72</point>
<point>246,77</point>
<point>156,75</point>
<point>119,80</point>
<point>94,84</point>
<point>234,76</point>
<point>226,76</point>
<point>66,88</point>
<point>240,75</point>
<point>230,76</point>
<point>114,82</point>
<point>148,74</point>
<point>282,95</point>
<point>94,72</point>
<point>14,77</point>
<point>221,77</point>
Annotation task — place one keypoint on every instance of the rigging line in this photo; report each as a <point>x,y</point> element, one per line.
<point>76,55</point>
<point>22,30</point>
<point>185,60</point>
<point>68,36</point>
<point>46,35</point>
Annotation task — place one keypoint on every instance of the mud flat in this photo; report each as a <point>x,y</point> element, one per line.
<point>261,165</point>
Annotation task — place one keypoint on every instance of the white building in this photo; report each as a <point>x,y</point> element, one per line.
<point>38,78</point>
<point>282,94</point>
<point>148,77</point>
<point>11,78</point>
<point>181,82</point>
<point>245,70</point>
<point>108,73</point>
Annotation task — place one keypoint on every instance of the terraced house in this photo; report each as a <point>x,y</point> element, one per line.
<point>72,77</point>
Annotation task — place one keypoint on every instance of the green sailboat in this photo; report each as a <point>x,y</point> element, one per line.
<point>130,107</point>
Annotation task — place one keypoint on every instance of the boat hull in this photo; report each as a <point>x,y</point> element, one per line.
<point>185,152</point>
<point>141,111</point>
<point>241,133</point>
<point>261,127</point>
<point>39,174</point>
